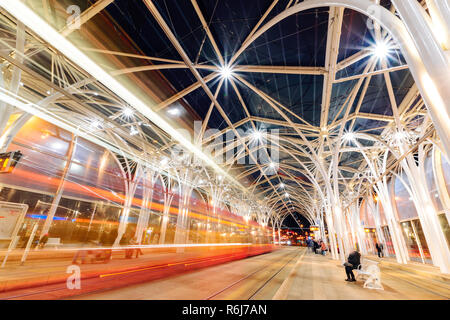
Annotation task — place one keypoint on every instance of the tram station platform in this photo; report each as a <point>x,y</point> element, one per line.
<point>322,278</point>
<point>289,273</point>
<point>218,137</point>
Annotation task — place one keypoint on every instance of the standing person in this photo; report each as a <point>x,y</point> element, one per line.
<point>379,247</point>
<point>308,244</point>
<point>155,238</point>
<point>323,247</point>
<point>138,250</point>
<point>353,262</point>
<point>316,246</point>
<point>125,241</point>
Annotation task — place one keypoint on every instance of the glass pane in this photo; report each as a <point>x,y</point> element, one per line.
<point>411,242</point>
<point>431,182</point>
<point>446,169</point>
<point>388,239</point>
<point>445,227</point>
<point>405,205</point>
<point>423,242</point>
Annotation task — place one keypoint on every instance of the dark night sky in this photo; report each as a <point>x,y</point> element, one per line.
<point>290,223</point>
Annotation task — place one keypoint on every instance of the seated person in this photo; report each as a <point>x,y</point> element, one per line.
<point>316,247</point>
<point>43,241</point>
<point>353,261</point>
<point>323,247</point>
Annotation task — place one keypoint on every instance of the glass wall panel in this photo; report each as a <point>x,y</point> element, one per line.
<point>93,195</point>
<point>421,238</point>
<point>371,240</point>
<point>431,182</point>
<point>36,170</point>
<point>366,216</point>
<point>94,175</point>
<point>411,241</point>
<point>405,205</point>
<point>36,212</point>
<point>381,213</point>
<point>79,221</point>
<point>388,239</point>
<point>445,227</point>
<point>446,169</point>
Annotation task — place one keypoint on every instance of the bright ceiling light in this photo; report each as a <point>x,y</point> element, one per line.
<point>63,45</point>
<point>349,136</point>
<point>273,165</point>
<point>96,124</point>
<point>174,111</point>
<point>381,50</point>
<point>226,72</point>
<point>286,195</point>
<point>257,135</point>
<point>399,135</point>
<point>282,185</point>
<point>164,161</point>
<point>133,131</point>
<point>57,145</point>
<point>128,112</point>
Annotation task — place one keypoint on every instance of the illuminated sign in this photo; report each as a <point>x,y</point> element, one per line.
<point>314,228</point>
<point>9,160</point>
<point>369,230</point>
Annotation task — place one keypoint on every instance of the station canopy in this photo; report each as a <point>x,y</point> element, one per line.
<point>297,99</point>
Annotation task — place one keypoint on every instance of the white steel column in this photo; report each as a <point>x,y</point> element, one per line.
<point>59,192</point>
<point>434,81</point>
<point>384,198</point>
<point>147,190</point>
<point>438,174</point>
<point>168,198</point>
<point>130,190</point>
<point>437,244</point>
<point>440,21</point>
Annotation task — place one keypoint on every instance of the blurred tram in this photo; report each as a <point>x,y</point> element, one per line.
<point>90,208</point>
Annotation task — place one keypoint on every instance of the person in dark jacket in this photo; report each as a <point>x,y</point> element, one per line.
<point>43,241</point>
<point>316,247</point>
<point>353,261</point>
<point>379,247</point>
<point>310,245</point>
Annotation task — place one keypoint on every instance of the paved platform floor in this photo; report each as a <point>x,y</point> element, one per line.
<point>319,277</point>
<point>288,273</point>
